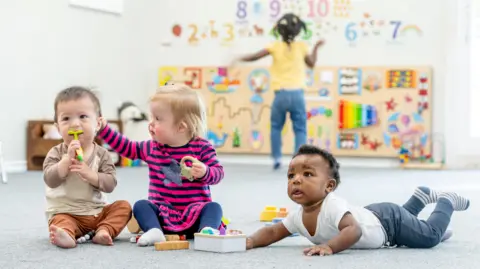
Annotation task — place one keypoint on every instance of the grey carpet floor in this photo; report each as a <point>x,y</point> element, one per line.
<point>243,194</point>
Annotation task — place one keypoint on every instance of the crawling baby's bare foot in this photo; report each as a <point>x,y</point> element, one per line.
<point>61,238</point>
<point>102,237</point>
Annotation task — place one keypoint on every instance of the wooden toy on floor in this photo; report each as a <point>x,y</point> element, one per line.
<point>75,137</point>
<point>132,226</point>
<point>169,237</point>
<point>175,237</point>
<point>172,245</point>
<point>220,241</point>
<point>86,237</point>
<point>185,170</point>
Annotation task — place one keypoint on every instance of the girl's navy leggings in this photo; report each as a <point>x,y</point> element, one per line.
<point>147,215</point>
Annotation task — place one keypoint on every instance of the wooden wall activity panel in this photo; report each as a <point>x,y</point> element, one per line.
<point>351,111</point>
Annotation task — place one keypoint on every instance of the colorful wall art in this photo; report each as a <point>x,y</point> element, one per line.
<point>351,111</point>
<point>350,21</point>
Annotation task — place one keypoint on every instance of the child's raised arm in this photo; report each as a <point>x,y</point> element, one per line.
<point>214,173</point>
<point>267,236</point>
<point>311,59</point>
<point>124,146</point>
<point>255,56</point>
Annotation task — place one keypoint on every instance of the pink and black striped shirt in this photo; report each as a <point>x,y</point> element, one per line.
<point>157,155</point>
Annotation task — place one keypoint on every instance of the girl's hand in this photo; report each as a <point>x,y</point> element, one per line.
<point>320,43</point>
<point>321,250</point>
<point>198,169</point>
<point>103,123</point>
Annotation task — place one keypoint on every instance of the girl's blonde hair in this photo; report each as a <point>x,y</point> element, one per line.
<point>186,105</point>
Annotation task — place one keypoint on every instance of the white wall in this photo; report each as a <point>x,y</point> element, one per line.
<point>463,147</point>
<point>45,48</point>
<point>48,45</point>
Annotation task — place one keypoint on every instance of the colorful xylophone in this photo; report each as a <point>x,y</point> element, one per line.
<point>354,115</point>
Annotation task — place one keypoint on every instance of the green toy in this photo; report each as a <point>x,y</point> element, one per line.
<point>236,138</point>
<point>75,136</point>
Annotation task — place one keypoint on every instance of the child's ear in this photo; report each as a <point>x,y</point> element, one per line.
<point>99,124</point>
<point>332,184</point>
<point>182,127</point>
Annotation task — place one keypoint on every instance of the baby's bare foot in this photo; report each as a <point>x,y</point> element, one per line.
<point>61,238</point>
<point>102,237</point>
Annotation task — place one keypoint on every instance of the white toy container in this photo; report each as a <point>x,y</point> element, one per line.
<point>220,243</point>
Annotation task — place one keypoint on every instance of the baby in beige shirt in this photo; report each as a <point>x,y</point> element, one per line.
<point>75,190</point>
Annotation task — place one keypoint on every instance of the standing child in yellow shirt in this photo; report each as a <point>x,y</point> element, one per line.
<point>288,80</point>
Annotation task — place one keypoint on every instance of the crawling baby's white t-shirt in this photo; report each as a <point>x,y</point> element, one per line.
<point>331,212</point>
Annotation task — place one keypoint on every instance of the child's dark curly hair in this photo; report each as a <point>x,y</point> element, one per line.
<point>289,26</point>
<point>333,165</point>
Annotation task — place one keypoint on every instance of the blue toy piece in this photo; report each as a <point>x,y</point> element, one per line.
<point>404,155</point>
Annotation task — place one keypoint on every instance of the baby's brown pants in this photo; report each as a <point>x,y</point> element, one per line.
<point>113,218</point>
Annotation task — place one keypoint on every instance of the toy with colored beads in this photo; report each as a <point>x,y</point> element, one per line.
<point>86,237</point>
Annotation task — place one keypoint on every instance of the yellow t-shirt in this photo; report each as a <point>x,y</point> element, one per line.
<point>288,70</point>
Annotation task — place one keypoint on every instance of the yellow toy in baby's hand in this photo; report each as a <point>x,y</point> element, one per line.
<point>75,137</point>
<point>185,170</point>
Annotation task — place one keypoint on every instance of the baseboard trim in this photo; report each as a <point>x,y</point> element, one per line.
<point>21,166</point>
<point>343,161</point>
<point>13,167</point>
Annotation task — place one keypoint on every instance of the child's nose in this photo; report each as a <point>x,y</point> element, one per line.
<point>297,179</point>
<point>75,123</point>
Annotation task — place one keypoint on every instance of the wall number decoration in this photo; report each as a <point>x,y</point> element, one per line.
<point>229,31</point>
<point>350,33</point>
<point>193,39</point>
<point>318,8</point>
<point>242,10</point>
<point>396,25</point>
<point>307,35</point>
<point>275,9</point>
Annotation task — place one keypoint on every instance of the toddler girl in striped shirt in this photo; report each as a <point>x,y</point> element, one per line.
<point>175,204</point>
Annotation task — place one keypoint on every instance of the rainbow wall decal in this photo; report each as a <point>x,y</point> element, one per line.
<point>354,115</point>
<point>411,28</point>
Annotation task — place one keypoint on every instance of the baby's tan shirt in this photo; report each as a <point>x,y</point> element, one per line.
<point>73,195</point>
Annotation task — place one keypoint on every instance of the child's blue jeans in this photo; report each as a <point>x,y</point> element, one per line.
<point>404,228</point>
<point>292,101</point>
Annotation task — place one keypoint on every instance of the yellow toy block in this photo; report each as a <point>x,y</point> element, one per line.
<point>268,213</point>
<point>172,245</point>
